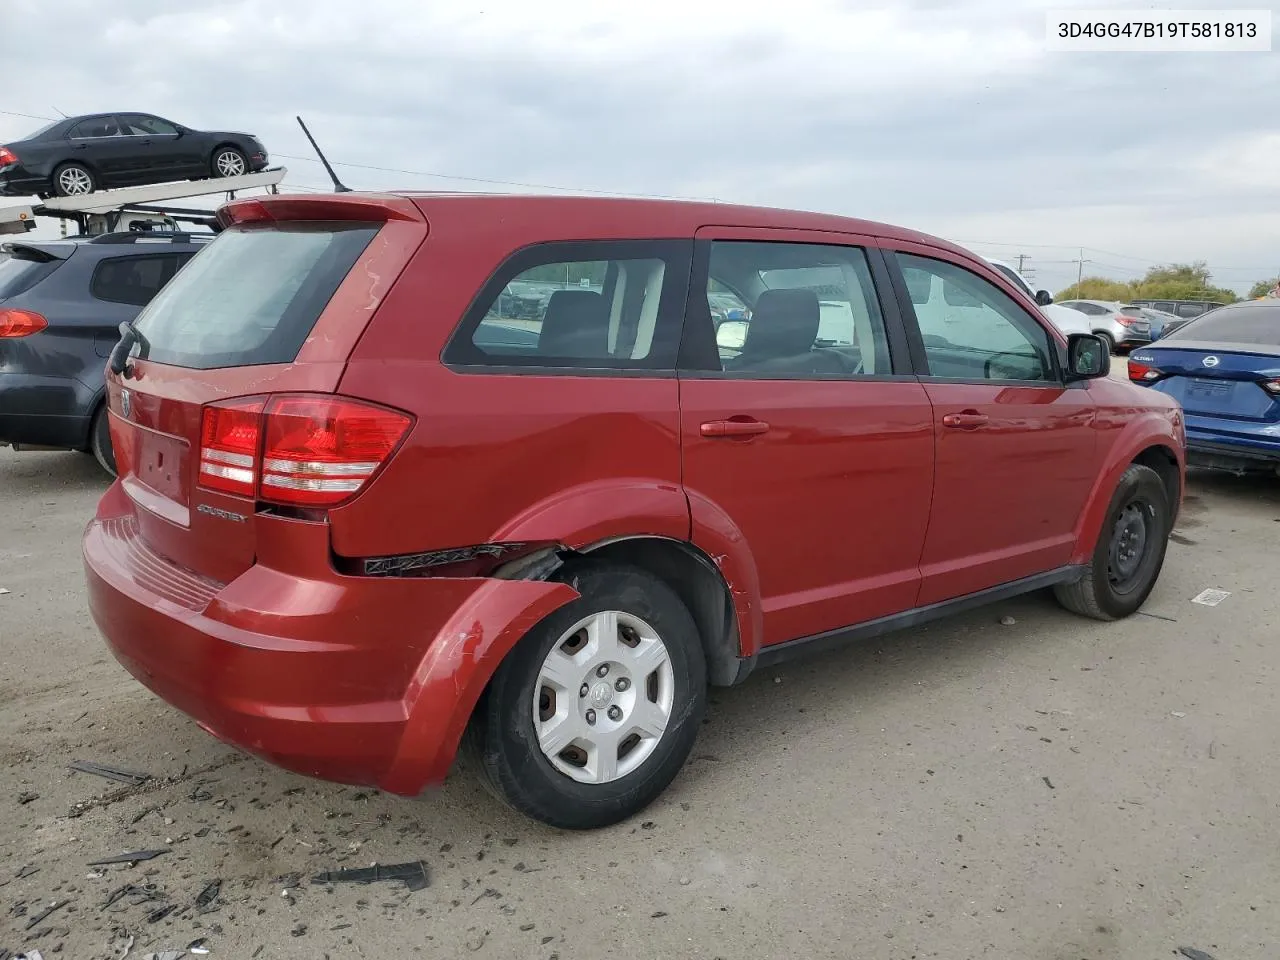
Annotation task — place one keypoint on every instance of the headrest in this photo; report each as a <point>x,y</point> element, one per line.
<point>576,324</point>
<point>784,323</point>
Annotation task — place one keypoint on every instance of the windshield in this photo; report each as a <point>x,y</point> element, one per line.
<point>1248,324</point>
<point>253,295</point>
<point>1013,278</point>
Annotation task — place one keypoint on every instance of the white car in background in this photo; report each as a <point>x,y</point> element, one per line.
<point>1064,318</point>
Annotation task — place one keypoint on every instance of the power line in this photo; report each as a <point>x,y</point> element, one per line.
<point>493,182</point>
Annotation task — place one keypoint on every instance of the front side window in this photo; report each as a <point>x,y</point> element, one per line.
<point>607,305</point>
<point>794,311</point>
<point>141,125</point>
<point>971,329</point>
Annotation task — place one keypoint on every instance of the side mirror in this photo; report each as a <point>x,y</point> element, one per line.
<point>731,334</point>
<point>1044,297</point>
<point>1087,357</point>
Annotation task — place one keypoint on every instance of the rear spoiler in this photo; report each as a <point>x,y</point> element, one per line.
<point>377,208</point>
<point>30,251</point>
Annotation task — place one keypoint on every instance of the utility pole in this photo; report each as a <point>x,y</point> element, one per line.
<point>1079,271</point>
<point>1021,258</point>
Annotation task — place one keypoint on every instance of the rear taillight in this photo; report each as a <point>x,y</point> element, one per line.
<point>295,449</point>
<point>7,157</point>
<point>1125,320</point>
<point>1272,387</point>
<point>1143,372</point>
<point>20,323</point>
<point>230,435</point>
<point>321,450</point>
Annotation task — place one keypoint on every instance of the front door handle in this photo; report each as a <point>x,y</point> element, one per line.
<point>733,428</point>
<point>968,420</point>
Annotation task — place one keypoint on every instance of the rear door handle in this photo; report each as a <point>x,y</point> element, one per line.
<point>968,420</point>
<point>733,428</point>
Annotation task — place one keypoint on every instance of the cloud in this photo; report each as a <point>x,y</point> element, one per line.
<point>943,115</point>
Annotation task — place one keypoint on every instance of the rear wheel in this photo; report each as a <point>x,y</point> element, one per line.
<point>100,442</point>
<point>1130,550</point>
<point>229,162</point>
<point>1109,340</point>
<point>595,711</point>
<point>73,180</point>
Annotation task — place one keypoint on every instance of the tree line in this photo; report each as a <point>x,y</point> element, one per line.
<point>1175,281</point>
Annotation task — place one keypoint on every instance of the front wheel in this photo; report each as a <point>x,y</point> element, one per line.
<point>595,711</point>
<point>229,162</point>
<point>1130,550</point>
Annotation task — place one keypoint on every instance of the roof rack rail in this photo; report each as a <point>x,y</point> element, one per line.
<point>144,236</point>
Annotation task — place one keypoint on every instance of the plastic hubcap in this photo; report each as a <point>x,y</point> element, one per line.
<point>604,697</point>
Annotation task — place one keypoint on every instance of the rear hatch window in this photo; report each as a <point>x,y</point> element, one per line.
<point>253,296</point>
<point>23,268</point>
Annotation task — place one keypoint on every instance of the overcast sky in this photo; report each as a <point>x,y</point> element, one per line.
<point>949,117</point>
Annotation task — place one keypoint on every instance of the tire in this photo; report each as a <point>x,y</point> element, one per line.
<point>1106,338</point>
<point>1102,593</point>
<point>570,789</point>
<point>100,442</point>
<point>228,162</point>
<point>74,180</point>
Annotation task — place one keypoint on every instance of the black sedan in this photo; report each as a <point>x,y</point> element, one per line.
<point>79,155</point>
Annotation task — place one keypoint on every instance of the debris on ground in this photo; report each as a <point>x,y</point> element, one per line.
<point>1191,953</point>
<point>137,856</point>
<point>1178,713</point>
<point>165,955</point>
<point>1048,783</point>
<point>1210,597</point>
<point>30,954</point>
<point>209,894</point>
<point>110,773</point>
<point>3,591</point>
<point>27,871</point>
<point>1007,621</point>
<point>56,905</point>
<point>199,947</point>
<point>26,796</point>
<point>413,875</point>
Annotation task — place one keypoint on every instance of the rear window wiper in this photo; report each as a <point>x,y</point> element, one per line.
<point>129,335</point>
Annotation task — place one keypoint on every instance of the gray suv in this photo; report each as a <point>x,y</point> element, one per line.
<point>61,306</point>
<point>1122,328</point>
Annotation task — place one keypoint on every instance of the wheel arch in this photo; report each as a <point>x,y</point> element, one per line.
<point>699,584</point>
<point>1148,440</point>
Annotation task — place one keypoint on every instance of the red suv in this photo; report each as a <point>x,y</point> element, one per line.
<point>396,469</point>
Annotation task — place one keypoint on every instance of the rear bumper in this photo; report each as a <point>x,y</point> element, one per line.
<point>16,181</point>
<point>364,681</point>
<point>1231,444</point>
<point>45,411</point>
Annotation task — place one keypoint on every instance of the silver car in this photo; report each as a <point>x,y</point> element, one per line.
<point>1123,327</point>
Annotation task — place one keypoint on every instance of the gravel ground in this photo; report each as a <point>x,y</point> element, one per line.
<point>1054,788</point>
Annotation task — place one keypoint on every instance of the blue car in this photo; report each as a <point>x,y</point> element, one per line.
<point>1224,368</point>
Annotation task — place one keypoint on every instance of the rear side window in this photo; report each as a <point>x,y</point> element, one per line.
<point>252,296</point>
<point>134,280</point>
<point>604,305</point>
<point>20,272</point>
<point>1258,325</point>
